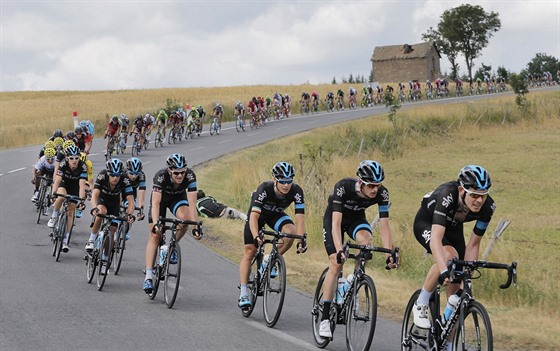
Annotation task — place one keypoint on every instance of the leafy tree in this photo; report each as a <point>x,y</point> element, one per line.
<point>483,71</point>
<point>446,47</point>
<point>503,73</point>
<point>468,28</point>
<point>544,63</point>
<point>351,78</point>
<point>333,80</point>
<point>520,88</point>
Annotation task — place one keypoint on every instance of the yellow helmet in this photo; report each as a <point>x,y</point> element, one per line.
<point>58,141</point>
<point>49,144</point>
<point>83,156</point>
<point>50,152</point>
<point>67,143</point>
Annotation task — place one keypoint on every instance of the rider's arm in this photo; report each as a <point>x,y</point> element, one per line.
<point>386,235</point>
<point>254,223</point>
<point>473,247</point>
<point>56,182</point>
<point>300,223</point>
<point>156,199</point>
<point>95,197</point>
<point>82,191</point>
<point>191,198</point>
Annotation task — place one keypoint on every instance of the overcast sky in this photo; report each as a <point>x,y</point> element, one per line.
<point>108,45</point>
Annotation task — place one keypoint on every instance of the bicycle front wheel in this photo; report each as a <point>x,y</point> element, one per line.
<point>253,285</point>
<point>475,333</point>
<point>120,244</point>
<point>213,128</point>
<point>91,265</point>
<point>59,234</point>
<point>104,260</point>
<point>274,290</point>
<point>172,275</point>
<point>317,313</point>
<point>361,315</point>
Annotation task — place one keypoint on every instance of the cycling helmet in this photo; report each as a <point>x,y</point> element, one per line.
<point>217,104</point>
<point>57,133</point>
<point>147,115</point>
<point>50,152</point>
<point>67,143</point>
<point>370,172</point>
<point>475,178</point>
<point>83,156</point>
<point>123,116</point>
<point>49,144</point>
<point>72,150</point>
<point>176,161</point>
<point>58,141</point>
<point>115,118</point>
<point>114,166</point>
<point>70,135</point>
<point>283,170</point>
<point>78,130</point>
<point>139,117</point>
<point>134,165</point>
<point>199,106</point>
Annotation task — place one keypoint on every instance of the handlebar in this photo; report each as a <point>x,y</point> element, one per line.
<point>456,264</point>
<point>68,197</point>
<point>278,235</point>
<point>365,252</point>
<point>112,217</point>
<point>176,222</point>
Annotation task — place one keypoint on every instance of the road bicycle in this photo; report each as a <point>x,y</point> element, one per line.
<point>100,258</point>
<point>160,137</point>
<point>315,106</point>
<point>146,142</point>
<point>120,239</point>
<point>239,123</point>
<point>110,147</point>
<point>136,145</point>
<point>215,126</point>
<point>121,143</point>
<point>270,281</point>
<point>352,102</point>
<point>253,122</point>
<point>173,136</point>
<point>330,105</point>
<point>304,107</point>
<point>339,104</point>
<point>164,268</point>
<point>43,202</point>
<point>59,229</point>
<point>468,327</point>
<point>358,310</point>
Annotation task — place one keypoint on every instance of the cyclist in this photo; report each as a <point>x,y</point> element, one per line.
<point>287,100</point>
<point>70,178</point>
<point>352,93</point>
<point>195,120</point>
<point>45,166</point>
<point>305,99</point>
<point>329,100</point>
<point>48,144</point>
<point>218,111</point>
<point>346,213</point>
<point>137,180</point>
<point>125,125</point>
<point>149,121</point>
<point>315,98</point>
<point>61,154</point>
<point>82,139</point>
<point>56,134</point>
<point>174,188</point>
<point>106,198</point>
<point>438,227</point>
<point>208,206</point>
<point>267,206</point>
<point>161,120</point>
<point>240,111</point>
<point>201,112</point>
<point>112,131</point>
<point>340,97</point>
<point>139,129</point>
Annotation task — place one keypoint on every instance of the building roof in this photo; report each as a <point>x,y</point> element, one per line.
<point>403,52</point>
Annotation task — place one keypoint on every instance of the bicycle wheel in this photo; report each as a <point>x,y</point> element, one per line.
<point>104,260</point>
<point>274,290</point>
<point>317,313</point>
<point>41,203</point>
<point>172,276</point>
<point>157,276</point>
<point>238,125</point>
<point>59,233</point>
<point>476,330</point>
<point>412,337</point>
<point>253,285</point>
<point>134,148</point>
<point>212,128</point>
<point>361,315</point>
<point>120,244</point>
<point>156,141</point>
<point>91,265</point>
<point>170,137</point>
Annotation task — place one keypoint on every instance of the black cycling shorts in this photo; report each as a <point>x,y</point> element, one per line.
<point>349,225</point>
<point>171,202</point>
<point>453,236</point>
<point>276,221</point>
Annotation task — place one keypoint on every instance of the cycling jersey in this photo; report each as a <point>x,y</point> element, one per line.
<point>71,177</point>
<point>138,184</point>
<point>172,197</point>
<point>148,121</point>
<point>111,197</point>
<point>340,93</point>
<point>112,128</point>
<point>45,167</point>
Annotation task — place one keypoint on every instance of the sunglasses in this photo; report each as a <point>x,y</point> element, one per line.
<point>372,185</point>
<point>114,174</point>
<point>285,181</point>
<point>477,195</point>
<point>178,173</point>
<point>73,158</point>
<point>133,173</point>
<point>49,159</point>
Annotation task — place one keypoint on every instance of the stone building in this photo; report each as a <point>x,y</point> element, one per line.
<point>401,63</point>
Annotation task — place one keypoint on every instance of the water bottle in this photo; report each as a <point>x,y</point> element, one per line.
<point>264,262</point>
<point>349,281</point>
<point>451,304</point>
<point>162,254</point>
<point>341,290</point>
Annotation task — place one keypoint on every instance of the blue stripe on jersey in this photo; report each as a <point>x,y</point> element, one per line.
<point>384,208</point>
<point>179,204</point>
<point>142,184</point>
<point>83,175</point>
<point>481,225</point>
<point>279,221</point>
<point>360,227</point>
<point>192,185</point>
<point>128,189</point>
<point>299,206</point>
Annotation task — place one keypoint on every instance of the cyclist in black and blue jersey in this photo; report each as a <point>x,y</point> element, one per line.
<point>438,227</point>
<point>346,213</point>
<point>174,188</point>
<point>137,180</point>
<point>106,197</point>
<point>69,179</point>
<point>267,206</point>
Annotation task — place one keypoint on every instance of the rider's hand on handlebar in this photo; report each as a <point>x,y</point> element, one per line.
<point>301,246</point>
<point>259,239</point>
<point>390,263</point>
<point>197,234</point>
<point>340,257</point>
<point>94,211</point>
<point>157,228</point>
<point>444,278</point>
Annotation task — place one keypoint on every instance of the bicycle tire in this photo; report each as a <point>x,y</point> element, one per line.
<point>60,229</point>
<point>237,124</point>
<point>213,128</point>
<point>156,274</point>
<point>106,242</point>
<point>253,285</point>
<point>362,307</point>
<point>170,136</point>
<point>158,135</point>
<point>120,245</point>
<point>412,337</point>
<point>134,148</point>
<point>475,330</point>
<point>41,202</point>
<point>172,276</point>
<point>91,265</point>
<point>317,313</point>
<point>273,296</point>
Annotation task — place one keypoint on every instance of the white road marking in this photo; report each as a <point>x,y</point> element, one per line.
<point>224,141</point>
<point>298,342</point>
<point>197,148</point>
<point>16,170</point>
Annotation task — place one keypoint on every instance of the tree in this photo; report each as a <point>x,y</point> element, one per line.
<point>351,78</point>
<point>371,76</point>
<point>333,80</point>
<point>483,71</point>
<point>468,28</point>
<point>445,47</point>
<point>503,73</point>
<point>544,63</point>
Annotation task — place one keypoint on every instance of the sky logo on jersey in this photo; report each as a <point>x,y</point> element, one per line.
<point>447,200</point>
<point>385,195</point>
<point>297,197</point>
<point>340,191</point>
<point>427,235</point>
<point>262,196</point>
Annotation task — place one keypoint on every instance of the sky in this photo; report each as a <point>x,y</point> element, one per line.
<point>115,45</point>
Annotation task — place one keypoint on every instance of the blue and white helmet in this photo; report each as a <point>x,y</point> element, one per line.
<point>114,166</point>
<point>134,165</point>
<point>283,170</point>
<point>370,171</point>
<point>72,150</point>
<point>475,178</point>
<point>176,161</point>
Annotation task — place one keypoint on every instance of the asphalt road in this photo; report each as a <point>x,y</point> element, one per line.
<point>45,305</point>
